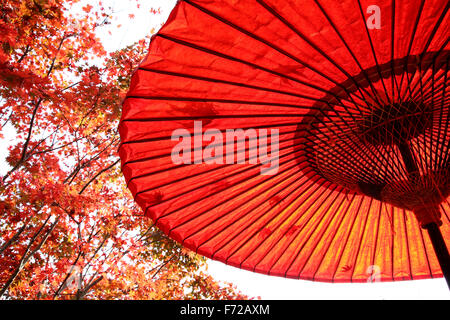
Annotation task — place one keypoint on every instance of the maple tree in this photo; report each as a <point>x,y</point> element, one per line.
<point>69,227</point>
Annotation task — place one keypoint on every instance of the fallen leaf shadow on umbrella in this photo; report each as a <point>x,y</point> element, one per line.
<point>203,111</point>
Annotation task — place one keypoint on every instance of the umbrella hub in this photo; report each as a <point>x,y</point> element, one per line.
<point>421,194</point>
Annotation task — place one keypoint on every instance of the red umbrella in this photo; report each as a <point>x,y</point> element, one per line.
<point>304,139</point>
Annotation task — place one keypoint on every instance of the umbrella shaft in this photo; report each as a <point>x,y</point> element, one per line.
<point>408,157</point>
<point>440,249</point>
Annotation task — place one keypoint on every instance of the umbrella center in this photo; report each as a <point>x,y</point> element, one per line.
<point>393,147</point>
<point>395,123</point>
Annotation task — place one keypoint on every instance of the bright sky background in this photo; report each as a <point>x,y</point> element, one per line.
<point>267,287</point>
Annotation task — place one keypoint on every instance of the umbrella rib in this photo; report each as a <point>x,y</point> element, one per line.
<point>430,38</point>
<point>419,149</point>
<point>215,193</point>
<point>164,138</point>
<point>433,93</point>
<point>410,44</point>
<point>314,46</point>
<point>165,155</point>
<point>236,173</point>
<point>352,138</point>
<point>220,116</point>
<point>213,80</point>
<point>217,116</point>
<point>223,166</point>
<point>360,239</point>
<point>347,47</point>
<point>443,157</point>
<point>429,91</point>
<point>376,236</point>
<point>293,238</point>
<point>256,232</point>
<point>276,194</point>
<point>304,182</point>
<point>297,233</point>
<point>226,200</point>
<point>264,214</point>
<point>408,90</point>
<point>284,234</point>
<point>426,163</point>
<point>254,249</point>
<point>393,77</point>
<point>365,147</point>
<point>386,161</point>
<point>213,100</point>
<point>392,237</point>
<point>438,137</point>
<point>324,232</point>
<point>257,38</point>
<point>348,125</point>
<point>432,77</point>
<point>169,137</point>
<point>349,233</point>
<point>425,251</point>
<point>338,155</point>
<point>222,203</point>
<point>223,116</point>
<point>407,243</point>
<point>436,27</point>
<point>194,149</point>
<point>413,91</point>
<point>374,55</point>
<point>430,94</point>
<point>255,66</point>
<point>313,185</point>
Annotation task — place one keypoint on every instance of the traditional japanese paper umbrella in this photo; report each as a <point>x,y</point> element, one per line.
<point>348,102</point>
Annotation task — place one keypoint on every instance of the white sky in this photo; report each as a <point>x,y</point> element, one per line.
<point>250,283</point>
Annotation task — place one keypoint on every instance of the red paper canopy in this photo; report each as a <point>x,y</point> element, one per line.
<point>345,114</point>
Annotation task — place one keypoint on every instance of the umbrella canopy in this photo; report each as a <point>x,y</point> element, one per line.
<point>304,139</point>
